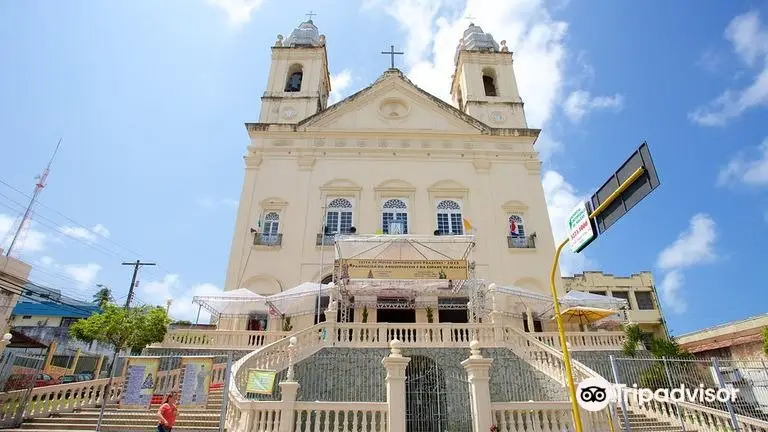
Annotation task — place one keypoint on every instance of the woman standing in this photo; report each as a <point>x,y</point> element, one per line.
<point>167,413</point>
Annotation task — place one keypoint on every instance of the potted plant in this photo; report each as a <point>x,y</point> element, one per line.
<point>287,324</point>
<point>430,319</point>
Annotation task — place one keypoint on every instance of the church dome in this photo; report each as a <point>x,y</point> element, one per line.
<point>306,34</point>
<point>475,39</point>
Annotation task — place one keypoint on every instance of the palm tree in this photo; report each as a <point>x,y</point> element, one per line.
<point>103,297</point>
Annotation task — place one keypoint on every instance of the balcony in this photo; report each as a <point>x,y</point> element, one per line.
<point>260,239</point>
<point>527,242</point>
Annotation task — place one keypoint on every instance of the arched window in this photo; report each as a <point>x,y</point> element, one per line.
<point>516,226</point>
<point>489,82</point>
<point>449,219</point>
<point>293,81</point>
<point>394,217</point>
<point>271,223</point>
<point>338,217</point>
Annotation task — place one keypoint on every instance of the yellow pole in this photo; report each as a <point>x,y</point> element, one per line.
<point>563,346</point>
<point>561,331</point>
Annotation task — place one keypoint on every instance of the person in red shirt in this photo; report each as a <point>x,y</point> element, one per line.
<point>167,413</point>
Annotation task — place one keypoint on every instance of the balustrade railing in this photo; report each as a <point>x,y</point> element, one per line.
<point>544,417</point>
<point>43,401</point>
<point>443,335</point>
<point>584,341</point>
<point>224,339</point>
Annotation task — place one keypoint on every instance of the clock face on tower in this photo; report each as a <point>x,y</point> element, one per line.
<point>289,113</point>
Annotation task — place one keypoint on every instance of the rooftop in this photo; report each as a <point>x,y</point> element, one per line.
<point>54,309</point>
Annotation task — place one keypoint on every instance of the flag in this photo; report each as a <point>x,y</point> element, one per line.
<point>467,225</point>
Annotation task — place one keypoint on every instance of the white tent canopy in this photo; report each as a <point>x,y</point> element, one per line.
<point>238,302</point>
<point>580,298</point>
<point>302,298</point>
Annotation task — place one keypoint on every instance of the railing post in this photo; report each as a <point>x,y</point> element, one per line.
<point>621,394</point>
<point>289,389</point>
<point>478,369</point>
<point>395,364</point>
<point>677,406</point>
<point>225,393</point>
<point>721,384</point>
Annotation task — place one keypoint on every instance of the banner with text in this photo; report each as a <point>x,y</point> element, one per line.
<point>140,380</point>
<point>403,269</point>
<point>195,381</point>
<point>260,381</point>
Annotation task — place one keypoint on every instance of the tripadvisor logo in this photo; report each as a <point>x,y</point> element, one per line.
<point>594,394</point>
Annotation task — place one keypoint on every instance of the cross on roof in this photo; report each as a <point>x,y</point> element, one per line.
<point>310,15</point>
<point>392,53</point>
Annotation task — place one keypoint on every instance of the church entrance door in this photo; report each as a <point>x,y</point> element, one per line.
<point>436,399</point>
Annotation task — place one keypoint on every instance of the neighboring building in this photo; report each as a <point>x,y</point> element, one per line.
<point>13,276</point>
<point>49,314</point>
<point>638,289</point>
<point>737,340</point>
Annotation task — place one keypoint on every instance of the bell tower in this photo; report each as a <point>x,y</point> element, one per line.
<point>299,82</point>
<point>484,84</point>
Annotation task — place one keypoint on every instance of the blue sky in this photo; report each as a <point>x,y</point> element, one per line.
<point>150,100</point>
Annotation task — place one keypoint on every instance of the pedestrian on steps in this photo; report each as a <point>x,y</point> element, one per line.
<point>167,413</point>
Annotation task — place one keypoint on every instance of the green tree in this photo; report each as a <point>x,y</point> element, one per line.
<point>633,336</point>
<point>134,328</point>
<point>103,297</point>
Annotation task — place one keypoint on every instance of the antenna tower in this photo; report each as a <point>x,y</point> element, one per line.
<point>40,183</point>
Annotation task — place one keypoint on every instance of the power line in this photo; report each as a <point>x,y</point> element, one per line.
<point>42,204</point>
<point>136,265</point>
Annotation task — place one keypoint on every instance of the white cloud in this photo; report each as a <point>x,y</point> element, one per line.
<point>580,102</point>
<point>101,230</point>
<point>753,172</point>
<point>30,242</point>
<point>670,292</point>
<point>211,203</point>
<point>238,11</point>
<point>84,274</point>
<point>694,246</point>
<point>750,43</point>
<point>340,82</point>
<point>85,234</point>
<point>173,287</point>
<point>561,198</point>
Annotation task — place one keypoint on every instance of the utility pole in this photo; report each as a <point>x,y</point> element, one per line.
<point>136,265</point>
<point>105,398</point>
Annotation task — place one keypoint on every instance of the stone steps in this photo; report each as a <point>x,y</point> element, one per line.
<point>129,420</point>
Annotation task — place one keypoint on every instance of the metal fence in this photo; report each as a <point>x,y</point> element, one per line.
<point>747,378</point>
<point>18,370</point>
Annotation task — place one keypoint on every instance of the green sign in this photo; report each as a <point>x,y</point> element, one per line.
<point>260,381</point>
<point>580,229</point>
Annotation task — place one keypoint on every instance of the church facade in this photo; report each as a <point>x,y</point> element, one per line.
<point>389,159</point>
